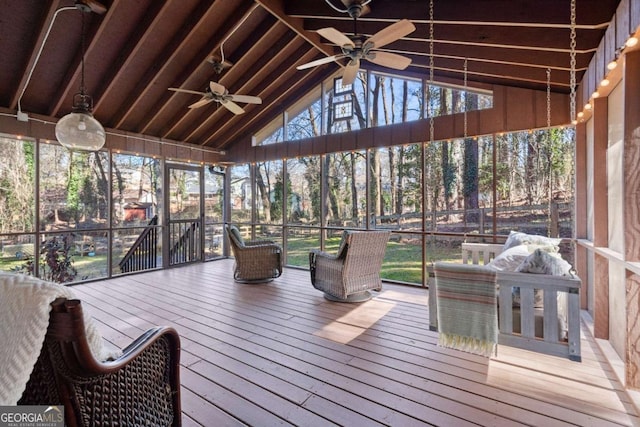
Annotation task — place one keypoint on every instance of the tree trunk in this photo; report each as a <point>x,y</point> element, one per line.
<point>470,177</point>
<point>354,188</point>
<point>264,194</point>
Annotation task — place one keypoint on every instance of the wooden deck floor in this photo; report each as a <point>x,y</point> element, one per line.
<point>280,354</point>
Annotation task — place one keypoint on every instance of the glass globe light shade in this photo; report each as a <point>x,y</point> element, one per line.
<point>80,131</point>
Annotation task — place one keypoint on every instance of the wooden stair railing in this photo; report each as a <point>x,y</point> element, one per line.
<point>143,253</point>
<point>187,247</point>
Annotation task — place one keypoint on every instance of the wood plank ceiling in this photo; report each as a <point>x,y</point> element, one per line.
<point>138,49</point>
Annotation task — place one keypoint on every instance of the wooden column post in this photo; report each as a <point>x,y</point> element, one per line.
<point>600,217</point>
<point>632,211</point>
<point>580,209</point>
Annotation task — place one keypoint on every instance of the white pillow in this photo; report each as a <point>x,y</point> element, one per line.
<point>518,238</point>
<point>541,262</point>
<point>510,259</point>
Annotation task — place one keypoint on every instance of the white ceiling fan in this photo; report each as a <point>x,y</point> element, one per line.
<point>357,48</point>
<point>217,92</point>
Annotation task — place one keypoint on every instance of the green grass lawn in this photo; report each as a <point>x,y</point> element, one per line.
<point>88,267</point>
<point>402,261</point>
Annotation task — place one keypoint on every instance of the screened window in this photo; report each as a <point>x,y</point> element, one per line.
<point>395,187</point>
<point>304,118</point>
<point>136,185</point>
<point>269,187</point>
<point>241,193</point>
<point>345,105</point>
<point>394,100</point>
<point>346,186</point>
<point>303,199</point>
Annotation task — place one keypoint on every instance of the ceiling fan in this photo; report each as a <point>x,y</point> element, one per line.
<point>357,48</point>
<point>217,92</point>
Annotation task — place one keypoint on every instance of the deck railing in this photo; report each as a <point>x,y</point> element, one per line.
<point>187,247</point>
<point>143,253</point>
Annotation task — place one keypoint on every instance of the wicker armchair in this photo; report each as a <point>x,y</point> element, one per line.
<point>354,270</point>
<point>141,387</point>
<point>257,261</point>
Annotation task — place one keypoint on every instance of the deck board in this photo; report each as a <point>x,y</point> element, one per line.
<point>280,354</point>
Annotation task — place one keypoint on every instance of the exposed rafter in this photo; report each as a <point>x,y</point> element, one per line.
<point>137,50</point>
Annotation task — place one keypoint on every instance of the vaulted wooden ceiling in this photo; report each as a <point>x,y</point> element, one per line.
<point>138,49</point>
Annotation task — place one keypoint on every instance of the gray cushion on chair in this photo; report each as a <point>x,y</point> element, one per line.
<point>233,230</point>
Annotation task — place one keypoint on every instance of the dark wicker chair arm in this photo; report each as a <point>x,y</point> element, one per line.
<point>141,341</point>
<point>140,345</point>
<point>141,387</point>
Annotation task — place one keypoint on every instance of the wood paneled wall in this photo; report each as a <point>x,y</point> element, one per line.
<point>514,109</point>
<point>44,128</point>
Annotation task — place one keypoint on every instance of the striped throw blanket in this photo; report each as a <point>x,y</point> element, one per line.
<point>467,308</point>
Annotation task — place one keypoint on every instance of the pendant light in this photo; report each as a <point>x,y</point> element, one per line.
<point>79,130</point>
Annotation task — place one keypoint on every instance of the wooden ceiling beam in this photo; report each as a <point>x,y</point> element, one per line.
<point>277,101</point>
<point>542,11</point>
<point>66,91</point>
<point>246,52</point>
<point>183,50</point>
<point>540,38</point>
<point>153,21</point>
<point>193,71</point>
<point>264,85</point>
<point>33,55</point>
<point>256,61</point>
<point>277,8</point>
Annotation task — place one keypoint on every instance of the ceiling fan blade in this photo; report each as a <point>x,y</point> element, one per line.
<point>232,106</point>
<point>91,6</point>
<point>217,88</point>
<point>350,72</point>
<point>335,36</point>
<point>391,33</point>
<point>203,101</point>
<point>175,89</point>
<point>319,62</point>
<point>247,99</point>
<point>390,60</point>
